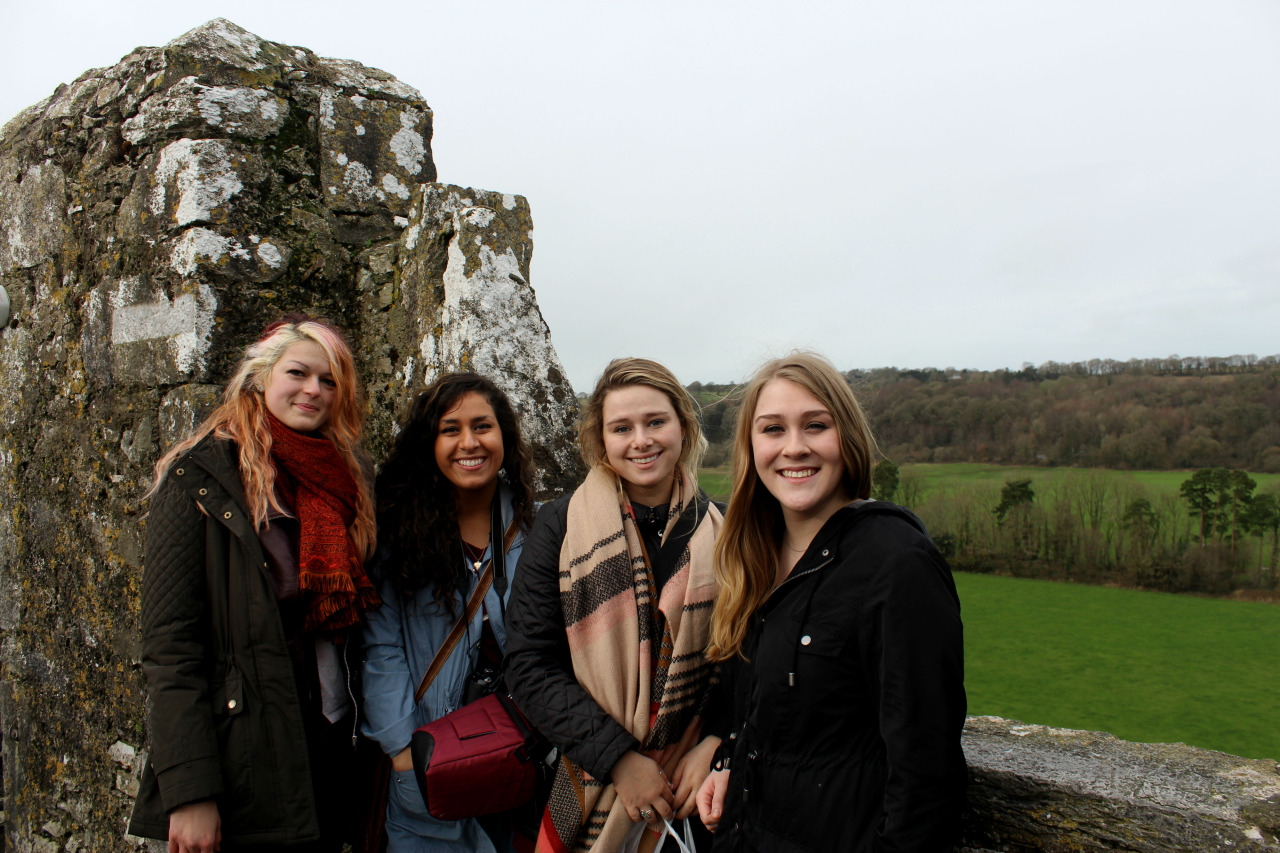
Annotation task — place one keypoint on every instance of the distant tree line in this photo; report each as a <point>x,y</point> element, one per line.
<point>1216,536</point>
<point>1148,414</point>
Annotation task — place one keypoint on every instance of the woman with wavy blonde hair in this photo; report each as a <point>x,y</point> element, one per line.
<point>842,625</point>
<point>254,578</point>
<point>607,628</point>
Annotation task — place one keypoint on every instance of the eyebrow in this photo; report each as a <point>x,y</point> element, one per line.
<point>448,420</point>
<point>325,371</point>
<point>810,414</point>
<point>645,416</point>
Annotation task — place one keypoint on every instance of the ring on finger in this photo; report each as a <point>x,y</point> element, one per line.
<point>646,814</point>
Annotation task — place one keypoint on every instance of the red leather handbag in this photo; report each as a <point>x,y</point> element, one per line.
<point>481,759</point>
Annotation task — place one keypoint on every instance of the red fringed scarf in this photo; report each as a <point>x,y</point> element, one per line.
<point>314,482</point>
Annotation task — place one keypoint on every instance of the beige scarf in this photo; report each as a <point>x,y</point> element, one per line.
<point>607,590</point>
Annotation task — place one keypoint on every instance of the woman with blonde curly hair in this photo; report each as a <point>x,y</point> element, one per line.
<point>842,625</point>
<point>609,619</point>
<point>259,526</point>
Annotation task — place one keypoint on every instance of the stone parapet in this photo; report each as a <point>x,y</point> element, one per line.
<point>1036,788</point>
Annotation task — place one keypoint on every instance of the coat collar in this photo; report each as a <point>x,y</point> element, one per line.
<point>210,474</point>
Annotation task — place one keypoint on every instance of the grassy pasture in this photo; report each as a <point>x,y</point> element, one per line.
<point>716,482</point>
<point>935,478</point>
<point>942,477</point>
<point>1144,666</point>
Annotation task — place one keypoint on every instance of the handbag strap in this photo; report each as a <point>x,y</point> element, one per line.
<point>498,545</point>
<point>460,628</point>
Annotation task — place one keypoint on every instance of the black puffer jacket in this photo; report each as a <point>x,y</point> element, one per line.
<point>539,671</point>
<point>223,705</point>
<point>851,701</point>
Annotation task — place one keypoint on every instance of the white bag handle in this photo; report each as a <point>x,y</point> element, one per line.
<point>686,846</point>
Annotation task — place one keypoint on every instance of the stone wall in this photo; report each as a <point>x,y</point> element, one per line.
<point>1035,788</point>
<point>153,217</point>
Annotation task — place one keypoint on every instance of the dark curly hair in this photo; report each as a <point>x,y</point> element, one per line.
<point>417,515</point>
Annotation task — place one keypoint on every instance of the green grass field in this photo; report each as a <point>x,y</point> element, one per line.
<point>1144,666</point>
<point>935,477</point>
<point>715,482</point>
<point>943,476</point>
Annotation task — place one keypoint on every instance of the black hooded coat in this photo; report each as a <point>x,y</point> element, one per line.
<point>849,698</point>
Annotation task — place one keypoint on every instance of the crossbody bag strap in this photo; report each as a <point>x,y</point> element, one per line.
<point>442,655</point>
<point>498,545</point>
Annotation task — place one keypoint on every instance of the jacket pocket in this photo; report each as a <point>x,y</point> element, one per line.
<point>405,806</point>
<point>236,748</point>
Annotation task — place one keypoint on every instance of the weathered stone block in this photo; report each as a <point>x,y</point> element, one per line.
<point>464,292</point>
<point>189,182</point>
<point>182,409</point>
<point>190,108</point>
<point>158,340</point>
<point>33,202</point>
<point>372,152</point>
<point>199,251</point>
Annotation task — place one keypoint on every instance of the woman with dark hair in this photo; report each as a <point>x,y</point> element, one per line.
<point>259,526</point>
<point>458,458</point>
<point>843,625</point>
<point>609,620</point>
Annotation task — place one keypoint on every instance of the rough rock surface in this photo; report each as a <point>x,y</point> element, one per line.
<point>468,253</point>
<point>153,217</point>
<point>1035,788</point>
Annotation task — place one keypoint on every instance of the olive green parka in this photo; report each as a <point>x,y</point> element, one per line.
<point>223,708</point>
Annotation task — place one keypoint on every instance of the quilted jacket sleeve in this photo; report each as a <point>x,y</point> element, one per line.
<point>539,670</point>
<point>175,635</point>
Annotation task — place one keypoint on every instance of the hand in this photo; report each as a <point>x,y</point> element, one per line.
<point>195,828</point>
<point>711,798</point>
<point>402,760</point>
<point>642,787</point>
<point>692,769</point>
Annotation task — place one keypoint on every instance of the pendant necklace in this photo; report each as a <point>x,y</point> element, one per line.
<point>797,550</point>
<point>474,555</point>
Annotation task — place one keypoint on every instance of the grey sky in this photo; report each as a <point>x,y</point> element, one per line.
<point>968,184</point>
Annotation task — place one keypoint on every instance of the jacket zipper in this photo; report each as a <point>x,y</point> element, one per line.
<point>791,578</point>
<point>355,708</point>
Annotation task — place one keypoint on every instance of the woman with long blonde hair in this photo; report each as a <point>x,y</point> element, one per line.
<point>257,534</point>
<point>842,624</point>
<point>609,619</point>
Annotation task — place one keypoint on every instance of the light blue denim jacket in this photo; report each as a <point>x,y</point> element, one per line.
<point>400,640</point>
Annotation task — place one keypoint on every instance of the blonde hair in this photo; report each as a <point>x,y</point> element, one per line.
<point>622,372</point>
<point>241,417</point>
<point>746,549</point>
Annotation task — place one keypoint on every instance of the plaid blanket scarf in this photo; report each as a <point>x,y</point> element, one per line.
<point>642,660</point>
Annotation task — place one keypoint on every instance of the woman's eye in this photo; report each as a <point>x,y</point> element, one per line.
<point>620,429</point>
<point>449,430</point>
<point>483,427</point>
<point>328,383</point>
<point>772,429</point>
<point>657,422</point>
<point>817,425</point>
<point>293,371</point>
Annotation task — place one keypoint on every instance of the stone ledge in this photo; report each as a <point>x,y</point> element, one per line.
<point>1036,788</point>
